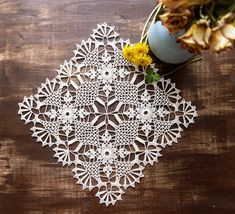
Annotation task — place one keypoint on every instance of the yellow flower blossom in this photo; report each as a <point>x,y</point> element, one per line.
<point>142,60</point>
<point>128,52</point>
<point>141,48</point>
<point>137,54</point>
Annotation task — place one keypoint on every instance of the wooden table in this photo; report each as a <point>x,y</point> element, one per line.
<point>195,176</point>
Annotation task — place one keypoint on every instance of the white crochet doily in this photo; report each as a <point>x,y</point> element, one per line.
<point>99,116</point>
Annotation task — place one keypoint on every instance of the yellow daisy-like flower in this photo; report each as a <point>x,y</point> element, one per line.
<point>128,52</point>
<point>141,48</point>
<point>143,60</point>
<point>137,54</point>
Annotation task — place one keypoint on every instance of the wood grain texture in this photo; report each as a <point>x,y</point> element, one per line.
<point>195,176</point>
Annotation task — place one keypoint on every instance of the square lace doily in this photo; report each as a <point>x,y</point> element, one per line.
<point>99,116</point>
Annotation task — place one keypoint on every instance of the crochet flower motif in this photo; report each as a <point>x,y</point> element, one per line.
<point>99,116</point>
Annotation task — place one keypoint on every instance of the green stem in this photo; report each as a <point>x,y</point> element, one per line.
<point>211,13</point>
<point>187,63</point>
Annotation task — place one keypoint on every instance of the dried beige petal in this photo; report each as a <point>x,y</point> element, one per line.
<point>197,37</point>
<point>188,40</point>
<point>177,20</point>
<point>207,35</point>
<point>219,42</point>
<point>174,4</point>
<point>229,31</point>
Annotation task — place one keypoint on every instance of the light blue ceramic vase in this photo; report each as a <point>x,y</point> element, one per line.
<point>164,45</point>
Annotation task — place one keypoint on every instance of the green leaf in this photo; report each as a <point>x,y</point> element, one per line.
<point>150,70</point>
<point>156,77</point>
<point>151,76</point>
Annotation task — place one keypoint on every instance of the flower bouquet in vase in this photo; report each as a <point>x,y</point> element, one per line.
<point>176,30</point>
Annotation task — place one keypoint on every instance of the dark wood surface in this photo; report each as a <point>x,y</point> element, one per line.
<point>195,176</point>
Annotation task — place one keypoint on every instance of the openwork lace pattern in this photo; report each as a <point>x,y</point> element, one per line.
<point>99,116</point>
